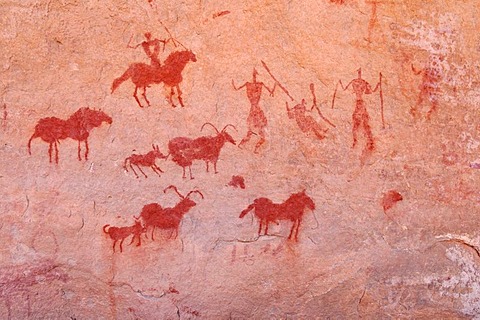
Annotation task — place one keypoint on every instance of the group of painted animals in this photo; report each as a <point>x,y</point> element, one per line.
<point>152,216</point>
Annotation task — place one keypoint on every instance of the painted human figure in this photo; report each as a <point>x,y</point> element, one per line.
<point>256,120</point>
<point>429,88</point>
<point>306,123</point>
<point>360,116</point>
<point>152,54</point>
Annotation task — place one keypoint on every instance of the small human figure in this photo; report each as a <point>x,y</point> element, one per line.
<point>360,117</point>
<point>429,88</point>
<point>306,123</point>
<point>152,54</point>
<point>256,120</point>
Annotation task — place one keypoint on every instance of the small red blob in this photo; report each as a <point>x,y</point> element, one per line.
<point>390,199</point>
<point>237,182</point>
<point>221,13</point>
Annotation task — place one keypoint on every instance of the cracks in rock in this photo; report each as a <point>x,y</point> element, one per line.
<point>26,208</point>
<point>461,241</point>
<point>245,240</point>
<point>138,291</point>
<point>360,301</point>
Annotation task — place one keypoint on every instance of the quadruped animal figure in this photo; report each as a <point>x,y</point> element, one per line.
<point>291,209</point>
<point>207,148</point>
<point>170,73</point>
<point>145,160</point>
<point>77,127</point>
<point>155,216</point>
<point>121,233</point>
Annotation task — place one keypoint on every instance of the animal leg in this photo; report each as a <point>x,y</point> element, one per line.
<point>184,176</point>
<point>86,149</point>
<point>121,242</point>
<point>215,166</point>
<point>170,97</point>
<point>145,96</point>
<point>131,167</point>
<point>260,226</point>
<point>206,162</point>
<point>179,96</point>
<point>298,226</point>
<point>291,229</point>
<point>114,241</point>
<point>190,170</point>
<point>266,227</point>
<point>141,170</point>
<point>136,98</point>
<point>78,151</point>
<point>56,152</point>
<point>158,168</point>
<point>153,230</point>
<point>50,151</point>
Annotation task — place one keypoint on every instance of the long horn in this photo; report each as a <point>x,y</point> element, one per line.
<point>211,125</point>
<point>229,125</point>
<point>195,191</point>
<point>175,189</point>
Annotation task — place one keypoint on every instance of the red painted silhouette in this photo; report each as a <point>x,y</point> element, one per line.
<point>153,215</point>
<point>149,43</point>
<point>430,86</point>
<point>291,209</point>
<point>221,13</point>
<point>207,148</point>
<point>390,199</point>
<point>256,121</point>
<point>77,127</point>
<point>121,233</point>
<point>337,1</point>
<point>360,116</point>
<point>306,123</point>
<point>145,160</point>
<point>143,75</point>
<point>373,18</point>
<point>237,182</point>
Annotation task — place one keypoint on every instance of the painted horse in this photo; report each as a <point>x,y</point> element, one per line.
<point>170,73</point>
<point>77,127</point>
<point>291,209</point>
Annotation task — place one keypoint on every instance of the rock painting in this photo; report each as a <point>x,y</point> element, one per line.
<point>360,116</point>
<point>76,127</point>
<point>145,160</point>
<point>207,148</point>
<point>121,233</point>
<point>155,216</point>
<point>291,209</point>
<point>307,123</point>
<point>170,73</point>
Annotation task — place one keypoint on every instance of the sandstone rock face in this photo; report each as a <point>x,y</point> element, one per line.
<point>136,133</point>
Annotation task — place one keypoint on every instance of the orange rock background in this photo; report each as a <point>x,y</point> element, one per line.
<point>418,259</point>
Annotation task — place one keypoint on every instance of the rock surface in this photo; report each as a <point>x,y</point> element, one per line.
<point>399,132</point>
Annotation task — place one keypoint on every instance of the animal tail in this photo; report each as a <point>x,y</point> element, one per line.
<point>125,164</point>
<point>127,74</point>
<point>105,227</point>
<point>249,208</point>
<point>34,135</point>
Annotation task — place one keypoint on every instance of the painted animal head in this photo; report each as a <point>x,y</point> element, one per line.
<point>157,153</point>
<point>138,228</point>
<point>91,117</point>
<point>303,200</point>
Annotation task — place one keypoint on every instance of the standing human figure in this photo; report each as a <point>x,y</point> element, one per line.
<point>360,116</point>
<point>256,120</point>
<point>430,86</point>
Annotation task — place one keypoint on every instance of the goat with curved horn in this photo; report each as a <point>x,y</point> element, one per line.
<point>175,189</point>
<point>229,125</point>
<point>195,191</point>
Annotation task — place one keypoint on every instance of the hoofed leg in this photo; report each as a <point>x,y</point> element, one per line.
<point>121,242</point>
<point>190,170</point>
<point>145,96</point>
<point>113,247</point>
<point>136,98</point>
<point>50,147</point>
<point>170,97</point>
<point>260,226</point>
<point>141,171</point>
<point>155,170</point>
<point>86,149</point>
<point>298,227</point>
<point>158,168</point>
<point>291,229</point>
<point>179,96</point>
<point>56,152</point>
<point>78,152</point>
<point>131,167</point>
<point>215,166</point>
